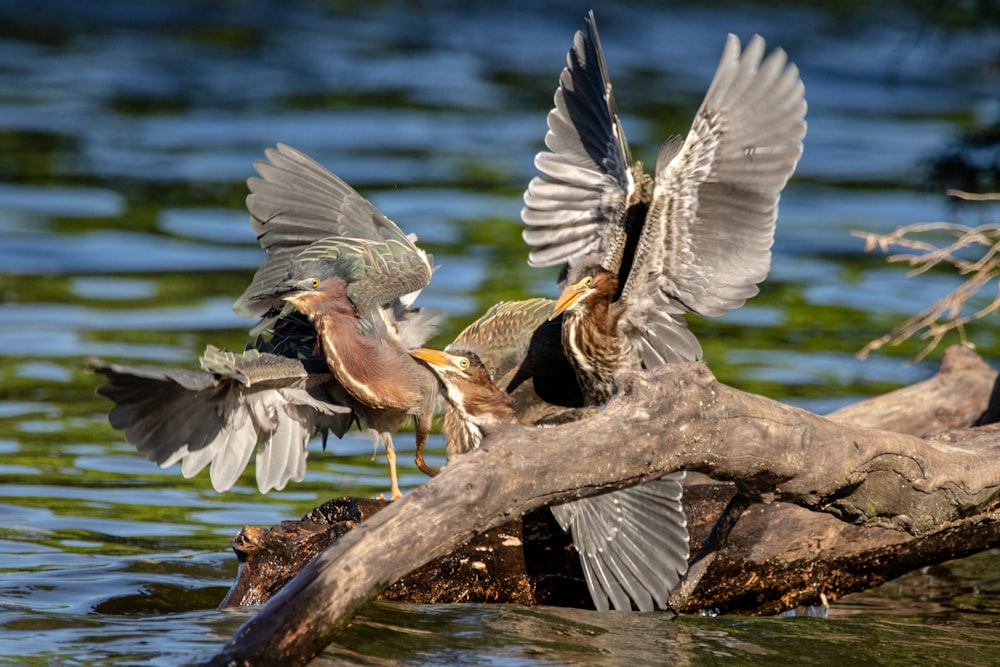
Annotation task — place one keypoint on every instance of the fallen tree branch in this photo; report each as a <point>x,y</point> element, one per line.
<point>678,417</point>
<point>531,561</point>
<point>953,398</point>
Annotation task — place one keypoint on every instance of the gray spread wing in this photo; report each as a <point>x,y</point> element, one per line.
<point>707,240</point>
<point>576,207</point>
<point>662,336</point>
<point>296,206</point>
<point>633,543</point>
<point>218,417</point>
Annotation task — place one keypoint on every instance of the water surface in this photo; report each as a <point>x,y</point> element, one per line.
<point>126,134</point>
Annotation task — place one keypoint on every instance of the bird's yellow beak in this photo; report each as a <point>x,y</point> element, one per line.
<point>435,358</point>
<point>293,298</point>
<point>298,291</point>
<point>569,297</point>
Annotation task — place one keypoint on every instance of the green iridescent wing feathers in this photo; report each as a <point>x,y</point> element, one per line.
<point>377,272</point>
<point>501,337</point>
<point>312,224</point>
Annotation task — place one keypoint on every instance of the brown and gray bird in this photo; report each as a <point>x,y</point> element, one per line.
<point>514,342</point>
<point>473,398</point>
<point>505,367</point>
<point>335,295</point>
<point>639,252</point>
<point>356,287</point>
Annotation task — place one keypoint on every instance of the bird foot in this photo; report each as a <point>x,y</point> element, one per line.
<point>394,495</point>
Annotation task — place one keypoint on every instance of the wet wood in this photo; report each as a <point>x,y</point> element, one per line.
<point>847,506</point>
<point>527,561</point>
<point>535,563</point>
<point>953,398</point>
<point>269,558</point>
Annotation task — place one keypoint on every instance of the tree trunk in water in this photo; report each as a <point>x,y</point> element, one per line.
<point>841,507</point>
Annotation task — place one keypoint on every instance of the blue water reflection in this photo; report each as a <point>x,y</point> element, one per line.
<point>127,131</point>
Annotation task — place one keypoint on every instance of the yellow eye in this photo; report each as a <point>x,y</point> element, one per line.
<point>586,282</point>
<point>463,363</point>
<point>314,283</point>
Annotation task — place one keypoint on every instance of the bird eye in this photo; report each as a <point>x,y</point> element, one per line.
<point>314,283</point>
<point>463,363</point>
<point>586,282</point>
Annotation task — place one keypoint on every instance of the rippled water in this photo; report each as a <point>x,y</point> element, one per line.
<point>127,131</point>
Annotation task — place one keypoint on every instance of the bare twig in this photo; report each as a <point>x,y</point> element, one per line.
<point>946,315</point>
<point>973,196</point>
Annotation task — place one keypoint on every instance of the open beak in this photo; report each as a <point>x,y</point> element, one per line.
<point>436,358</point>
<point>568,299</point>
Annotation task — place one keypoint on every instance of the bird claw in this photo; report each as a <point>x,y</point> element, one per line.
<point>418,458</point>
<point>394,495</point>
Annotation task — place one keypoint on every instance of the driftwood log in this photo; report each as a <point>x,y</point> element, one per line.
<point>843,507</point>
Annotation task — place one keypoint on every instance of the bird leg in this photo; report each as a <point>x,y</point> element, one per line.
<point>419,459</point>
<point>423,429</point>
<point>390,456</point>
<point>710,548</point>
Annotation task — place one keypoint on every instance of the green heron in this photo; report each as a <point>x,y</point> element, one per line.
<point>474,400</point>
<point>335,295</point>
<point>640,252</point>
<point>624,558</point>
<point>484,372</point>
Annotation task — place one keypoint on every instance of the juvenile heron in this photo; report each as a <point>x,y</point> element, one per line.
<point>639,252</point>
<point>515,372</point>
<point>497,370</point>
<point>335,295</point>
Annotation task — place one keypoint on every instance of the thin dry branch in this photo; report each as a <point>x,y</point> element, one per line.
<point>945,315</point>
<point>973,196</point>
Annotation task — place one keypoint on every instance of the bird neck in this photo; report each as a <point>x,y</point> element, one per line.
<point>461,434</point>
<point>593,345</point>
<point>465,415</point>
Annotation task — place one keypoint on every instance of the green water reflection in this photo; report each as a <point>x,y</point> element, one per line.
<point>125,140</point>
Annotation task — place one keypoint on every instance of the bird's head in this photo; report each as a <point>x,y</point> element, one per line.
<point>467,384</point>
<point>313,294</point>
<point>586,283</point>
<point>444,364</point>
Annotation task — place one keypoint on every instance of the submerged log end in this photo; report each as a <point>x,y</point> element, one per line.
<point>269,558</point>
